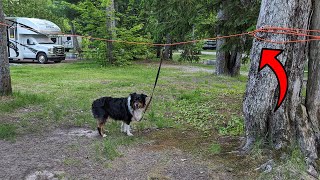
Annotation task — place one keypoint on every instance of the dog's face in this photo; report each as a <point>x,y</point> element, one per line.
<point>138,101</point>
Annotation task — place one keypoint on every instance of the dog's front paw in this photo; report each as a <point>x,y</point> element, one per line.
<point>104,135</point>
<point>129,134</point>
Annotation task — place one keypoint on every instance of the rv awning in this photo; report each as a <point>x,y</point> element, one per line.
<point>34,26</point>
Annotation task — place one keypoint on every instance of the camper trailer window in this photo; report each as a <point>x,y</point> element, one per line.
<point>30,42</point>
<point>68,38</point>
<point>54,40</point>
<point>11,33</point>
<point>44,40</point>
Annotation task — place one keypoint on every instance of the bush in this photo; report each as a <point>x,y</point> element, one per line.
<point>123,52</point>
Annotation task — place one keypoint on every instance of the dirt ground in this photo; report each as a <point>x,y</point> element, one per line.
<point>70,154</point>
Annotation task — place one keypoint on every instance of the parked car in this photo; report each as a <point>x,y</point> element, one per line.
<point>210,44</point>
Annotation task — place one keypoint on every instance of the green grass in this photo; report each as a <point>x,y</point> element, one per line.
<point>292,166</point>
<point>233,127</point>
<point>7,131</point>
<point>19,100</point>
<point>61,95</point>
<point>215,148</point>
<point>107,148</point>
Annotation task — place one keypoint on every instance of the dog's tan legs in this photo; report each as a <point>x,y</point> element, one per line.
<point>101,128</point>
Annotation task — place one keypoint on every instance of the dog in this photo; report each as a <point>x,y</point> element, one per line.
<point>122,109</point>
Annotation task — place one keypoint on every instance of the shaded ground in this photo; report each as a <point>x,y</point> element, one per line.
<point>70,153</point>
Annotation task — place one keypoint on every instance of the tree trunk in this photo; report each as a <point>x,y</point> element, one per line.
<point>228,61</point>
<point>166,53</point>
<point>221,63</point>
<point>158,48</point>
<point>289,124</point>
<point>5,79</point>
<point>111,24</point>
<point>313,85</point>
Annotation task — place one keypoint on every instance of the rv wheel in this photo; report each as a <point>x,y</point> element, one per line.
<point>42,58</point>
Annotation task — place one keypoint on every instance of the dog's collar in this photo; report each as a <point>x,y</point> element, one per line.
<point>129,107</point>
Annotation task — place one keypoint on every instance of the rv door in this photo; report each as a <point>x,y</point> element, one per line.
<point>13,43</point>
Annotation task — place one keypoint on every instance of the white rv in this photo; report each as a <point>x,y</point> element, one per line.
<point>66,41</point>
<point>30,38</point>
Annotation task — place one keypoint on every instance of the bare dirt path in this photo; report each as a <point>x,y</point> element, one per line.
<point>70,154</point>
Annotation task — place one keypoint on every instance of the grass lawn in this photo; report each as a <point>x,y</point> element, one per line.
<point>207,108</point>
<point>60,95</point>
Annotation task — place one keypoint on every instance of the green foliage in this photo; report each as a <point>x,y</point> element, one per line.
<point>234,127</point>
<point>142,21</point>
<point>7,131</point>
<point>191,52</point>
<point>234,23</point>
<point>180,20</point>
<point>129,27</point>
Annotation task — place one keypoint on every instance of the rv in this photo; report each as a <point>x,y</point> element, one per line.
<point>30,38</point>
<point>67,41</point>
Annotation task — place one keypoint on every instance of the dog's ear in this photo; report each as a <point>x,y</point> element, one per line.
<point>144,96</point>
<point>133,94</point>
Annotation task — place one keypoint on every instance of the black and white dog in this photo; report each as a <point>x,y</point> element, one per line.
<point>124,109</point>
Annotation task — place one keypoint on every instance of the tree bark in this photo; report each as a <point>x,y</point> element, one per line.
<point>288,125</point>
<point>221,63</point>
<point>111,24</point>
<point>166,53</point>
<point>228,61</point>
<point>313,85</point>
<point>5,79</point>
<point>158,48</point>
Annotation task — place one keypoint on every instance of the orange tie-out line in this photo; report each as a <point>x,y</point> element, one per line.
<point>296,36</point>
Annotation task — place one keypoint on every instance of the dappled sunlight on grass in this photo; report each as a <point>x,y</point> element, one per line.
<point>199,99</point>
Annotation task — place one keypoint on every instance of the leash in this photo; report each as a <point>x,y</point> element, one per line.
<point>154,87</point>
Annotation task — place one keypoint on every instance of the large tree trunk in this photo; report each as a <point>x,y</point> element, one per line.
<point>5,79</point>
<point>228,61</point>
<point>313,86</point>
<point>111,24</point>
<point>289,124</point>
